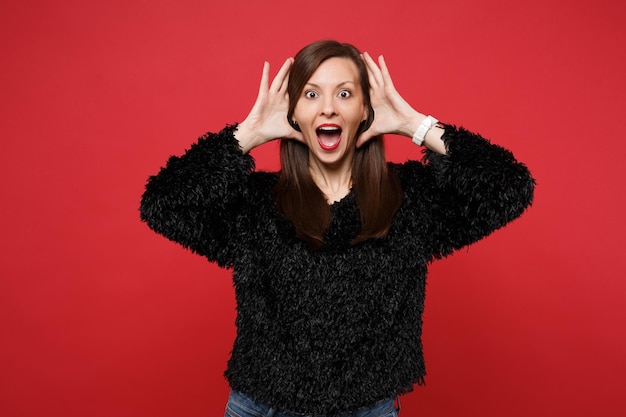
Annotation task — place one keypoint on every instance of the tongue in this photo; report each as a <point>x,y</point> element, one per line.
<point>329,139</point>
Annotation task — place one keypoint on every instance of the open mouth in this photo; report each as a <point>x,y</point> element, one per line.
<point>328,136</point>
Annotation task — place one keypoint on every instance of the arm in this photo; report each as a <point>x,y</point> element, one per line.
<point>195,198</point>
<point>473,190</point>
<point>468,186</point>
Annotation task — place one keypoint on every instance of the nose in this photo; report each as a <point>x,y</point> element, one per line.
<point>328,106</point>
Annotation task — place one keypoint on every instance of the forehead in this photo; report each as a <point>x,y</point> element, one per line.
<point>334,71</point>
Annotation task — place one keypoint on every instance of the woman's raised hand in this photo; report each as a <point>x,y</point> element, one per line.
<point>268,118</point>
<point>392,114</point>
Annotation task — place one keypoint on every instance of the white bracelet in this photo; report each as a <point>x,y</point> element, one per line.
<point>422,130</point>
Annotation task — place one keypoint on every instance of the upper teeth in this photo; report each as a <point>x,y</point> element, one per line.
<point>329,128</point>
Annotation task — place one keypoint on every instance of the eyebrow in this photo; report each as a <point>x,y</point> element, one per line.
<point>341,84</point>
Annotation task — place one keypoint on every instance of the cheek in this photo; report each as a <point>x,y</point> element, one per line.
<point>355,113</point>
<point>303,110</point>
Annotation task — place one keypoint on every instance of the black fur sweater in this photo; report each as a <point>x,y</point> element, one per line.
<point>337,329</point>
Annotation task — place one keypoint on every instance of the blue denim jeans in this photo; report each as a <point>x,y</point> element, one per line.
<point>240,405</point>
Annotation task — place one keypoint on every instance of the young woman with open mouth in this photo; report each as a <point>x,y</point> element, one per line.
<point>330,255</point>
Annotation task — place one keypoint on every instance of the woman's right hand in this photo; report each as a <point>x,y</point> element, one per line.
<point>268,118</point>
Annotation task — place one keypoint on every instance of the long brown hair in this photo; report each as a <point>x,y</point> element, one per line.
<point>376,189</point>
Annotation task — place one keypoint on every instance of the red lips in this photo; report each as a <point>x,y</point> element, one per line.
<point>328,136</point>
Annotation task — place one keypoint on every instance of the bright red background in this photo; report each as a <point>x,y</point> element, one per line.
<point>101,317</point>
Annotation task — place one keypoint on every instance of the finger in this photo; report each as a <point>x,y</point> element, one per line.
<point>374,87</point>
<point>281,76</point>
<point>366,61</point>
<point>368,65</point>
<point>284,73</point>
<point>373,69</point>
<point>372,78</point>
<point>265,77</point>
<point>385,72</point>
<point>283,86</point>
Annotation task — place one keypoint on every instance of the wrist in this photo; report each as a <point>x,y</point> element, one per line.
<point>423,128</point>
<point>409,127</point>
<point>246,137</point>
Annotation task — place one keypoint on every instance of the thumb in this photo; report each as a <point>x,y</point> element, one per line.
<point>363,138</point>
<point>297,136</point>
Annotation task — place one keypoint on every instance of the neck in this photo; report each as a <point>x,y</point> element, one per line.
<point>334,182</point>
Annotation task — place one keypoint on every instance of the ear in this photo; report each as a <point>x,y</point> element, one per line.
<point>294,124</point>
<point>367,121</point>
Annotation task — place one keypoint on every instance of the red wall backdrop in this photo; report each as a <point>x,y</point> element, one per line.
<point>101,317</point>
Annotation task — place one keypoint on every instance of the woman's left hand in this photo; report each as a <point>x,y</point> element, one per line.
<point>392,114</point>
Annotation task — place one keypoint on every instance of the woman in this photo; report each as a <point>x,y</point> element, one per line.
<point>329,255</point>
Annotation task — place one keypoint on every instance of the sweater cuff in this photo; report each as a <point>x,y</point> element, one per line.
<point>225,144</point>
<point>468,149</point>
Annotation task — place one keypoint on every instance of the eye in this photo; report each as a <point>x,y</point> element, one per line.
<point>344,94</point>
<point>310,94</point>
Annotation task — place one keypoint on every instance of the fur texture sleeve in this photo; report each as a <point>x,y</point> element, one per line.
<point>195,199</point>
<point>476,188</point>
